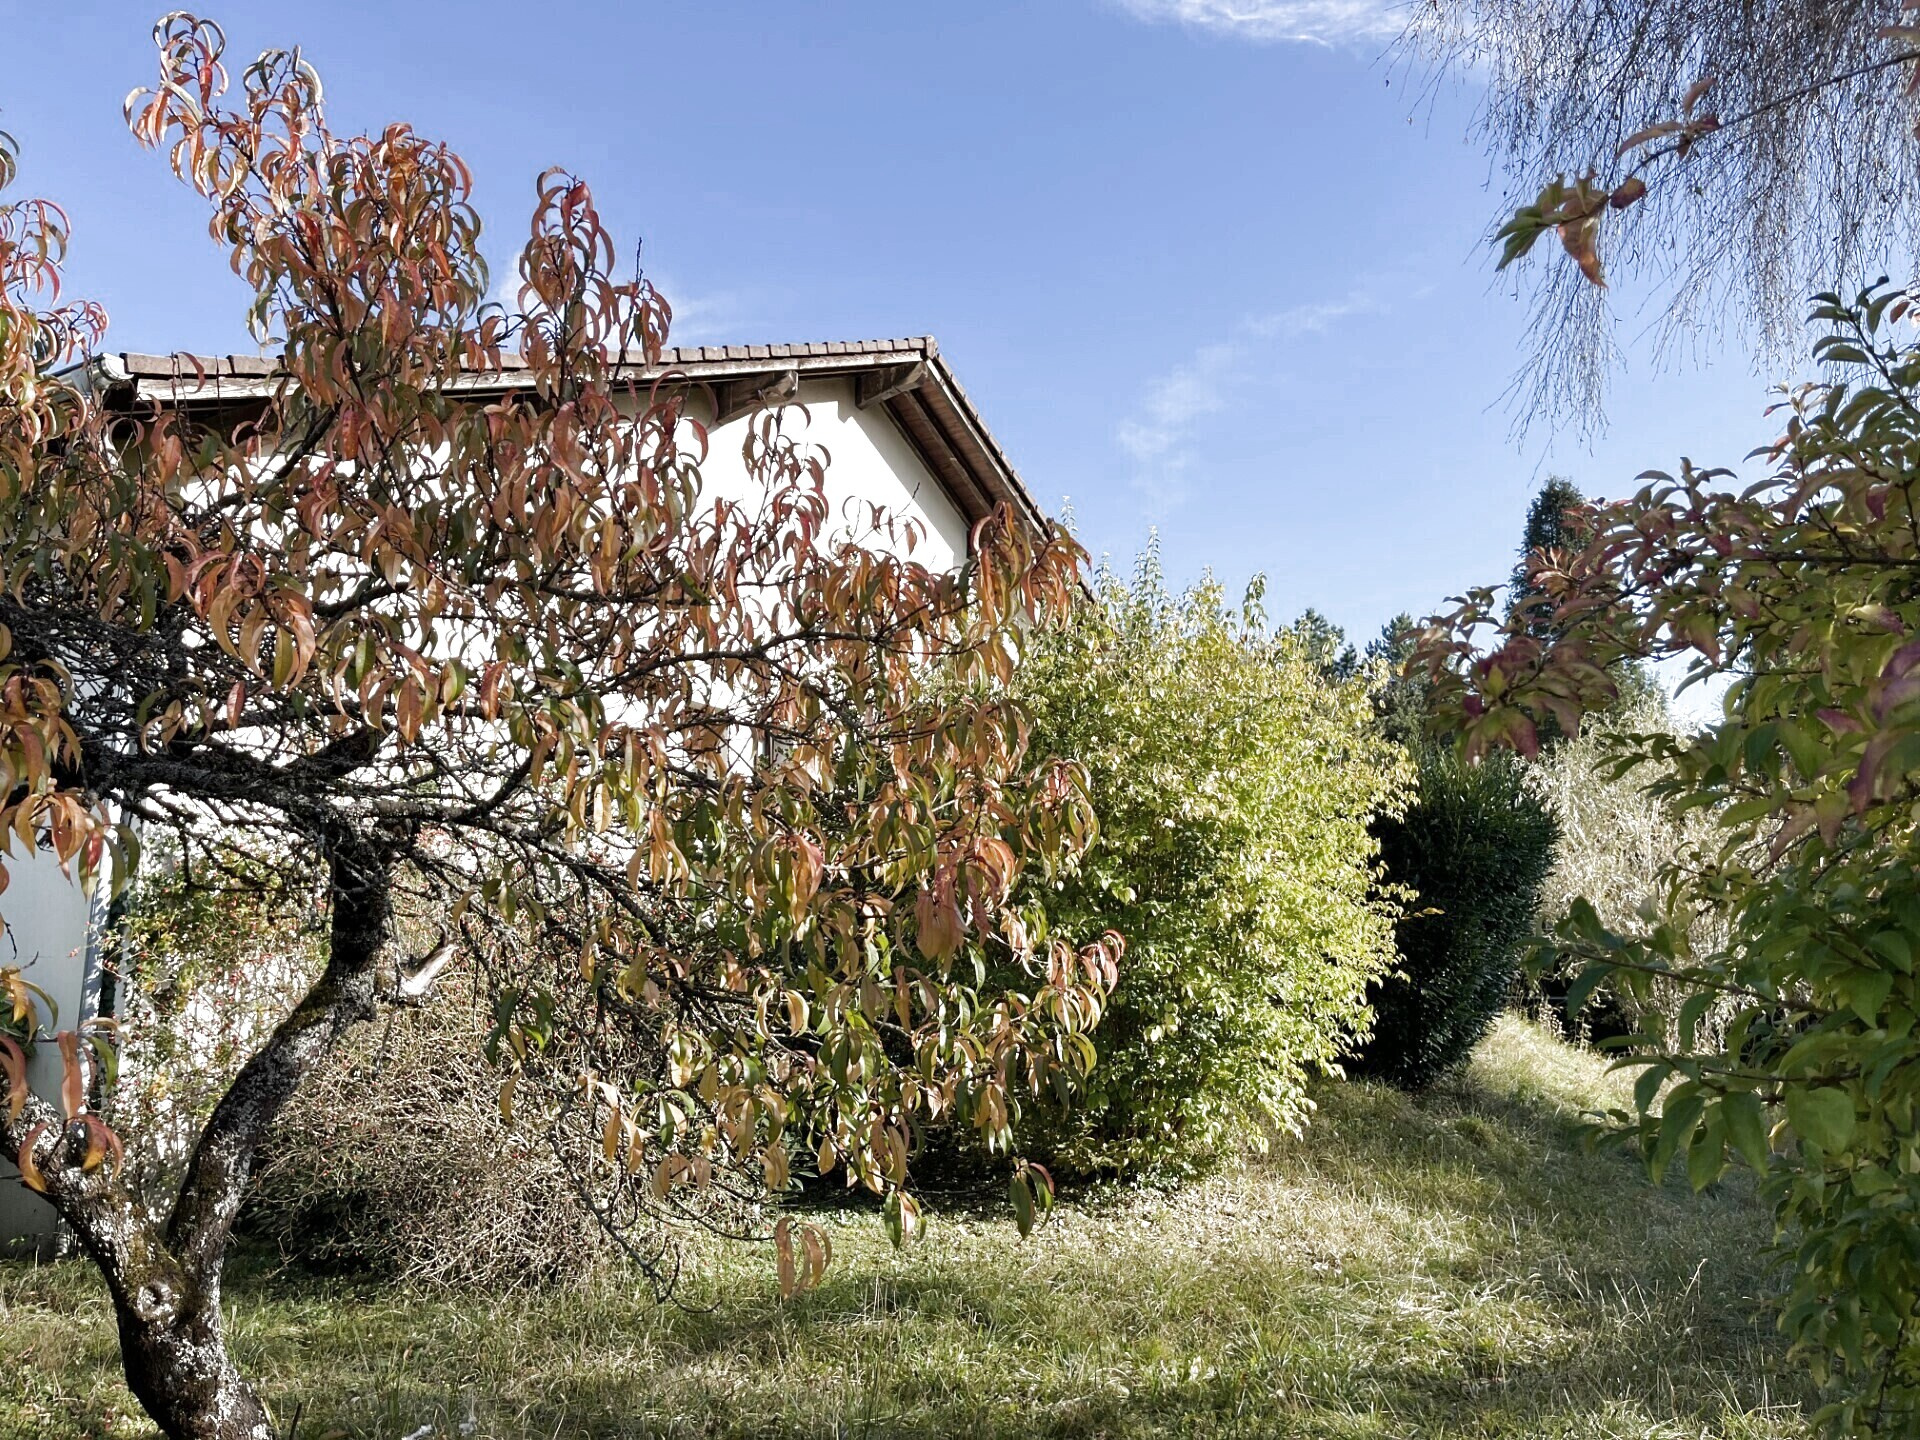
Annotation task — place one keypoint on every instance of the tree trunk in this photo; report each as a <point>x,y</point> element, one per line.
<point>178,1368</point>
<point>165,1281</point>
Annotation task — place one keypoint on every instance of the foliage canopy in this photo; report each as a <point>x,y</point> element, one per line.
<point>1799,588</point>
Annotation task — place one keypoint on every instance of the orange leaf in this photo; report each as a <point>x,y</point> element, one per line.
<point>1580,237</point>
<point>13,1065</point>
<point>775,1164</point>
<point>783,1248</point>
<point>819,1254</point>
<point>1652,132</point>
<point>101,1142</point>
<point>73,1076</point>
<point>30,1172</point>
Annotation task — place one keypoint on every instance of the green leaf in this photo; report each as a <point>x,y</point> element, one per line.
<point>1867,993</point>
<point>901,1217</point>
<point>1697,1005</point>
<point>1023,1211</point>
<point>1583,986</point>
<point>1823,1115</point>
<point>1872,1180</point>
<point>1893,947</point>
<point>1707,1156</point>
<point>1809,755</point>
<point>1647,1088</point>
<point>1758,748</point>
<point>1677,1122</point>
<point>1520,233</point>
<point>1745,1119</point>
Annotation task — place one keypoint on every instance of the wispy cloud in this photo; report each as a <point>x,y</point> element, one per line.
<point>1159,436</point>
<point>1176,401</point>
<point>1311,22</point>
<point>712,317</point>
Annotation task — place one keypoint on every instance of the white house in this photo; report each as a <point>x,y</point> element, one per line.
<point>53,936</point>
<point>899,431</point>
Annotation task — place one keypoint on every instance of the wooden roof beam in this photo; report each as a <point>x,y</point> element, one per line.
<point>734,398</point>
<point>883,385</point>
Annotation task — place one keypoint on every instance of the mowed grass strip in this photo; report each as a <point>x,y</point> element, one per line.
<point>1455,1265</point>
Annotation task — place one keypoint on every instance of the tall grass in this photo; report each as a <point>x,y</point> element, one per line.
<point>1444,1267</point>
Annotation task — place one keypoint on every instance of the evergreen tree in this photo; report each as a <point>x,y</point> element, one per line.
<point>1554,524</point>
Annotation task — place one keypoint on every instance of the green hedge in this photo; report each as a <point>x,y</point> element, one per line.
<point>1473,849</point>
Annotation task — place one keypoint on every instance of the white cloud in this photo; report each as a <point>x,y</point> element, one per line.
<point>1298,320</point>
<point>1312,22</point>
<point>1174,401</point>
<point>1159,435</point>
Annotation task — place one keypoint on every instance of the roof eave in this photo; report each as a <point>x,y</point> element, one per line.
<point>934,412</point>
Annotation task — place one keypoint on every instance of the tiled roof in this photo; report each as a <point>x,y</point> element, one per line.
<point>187,366</point>
<point>913,383</point>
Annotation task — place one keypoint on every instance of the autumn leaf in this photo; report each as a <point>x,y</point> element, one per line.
<point>1579,238</point>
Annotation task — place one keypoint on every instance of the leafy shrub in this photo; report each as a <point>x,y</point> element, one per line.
<point>1233,782</point>
<point>1474,849</point>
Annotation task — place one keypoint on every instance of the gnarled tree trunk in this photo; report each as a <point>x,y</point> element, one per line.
<point>165,1279</point>
<point>178,1368</point>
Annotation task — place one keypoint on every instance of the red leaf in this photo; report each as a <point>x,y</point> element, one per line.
<point>1627,192</point>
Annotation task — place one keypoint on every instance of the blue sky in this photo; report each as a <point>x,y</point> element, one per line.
<point>1192,258</point>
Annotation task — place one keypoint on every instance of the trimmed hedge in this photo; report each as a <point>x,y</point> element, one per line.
<point>1473,849</point>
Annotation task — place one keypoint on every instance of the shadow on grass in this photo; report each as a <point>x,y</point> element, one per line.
<point>1453,1264</point>
<point>1449,1264</point>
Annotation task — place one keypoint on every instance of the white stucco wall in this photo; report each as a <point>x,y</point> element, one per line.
<point>870,462</point>
<point>49,925</point>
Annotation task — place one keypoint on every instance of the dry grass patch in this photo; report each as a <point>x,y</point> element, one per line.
<point>1451,1266</point>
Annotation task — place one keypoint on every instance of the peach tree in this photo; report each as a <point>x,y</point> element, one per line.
<point>739,791</point>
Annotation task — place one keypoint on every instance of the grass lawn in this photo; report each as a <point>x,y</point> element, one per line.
<point>1447,1267</point>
